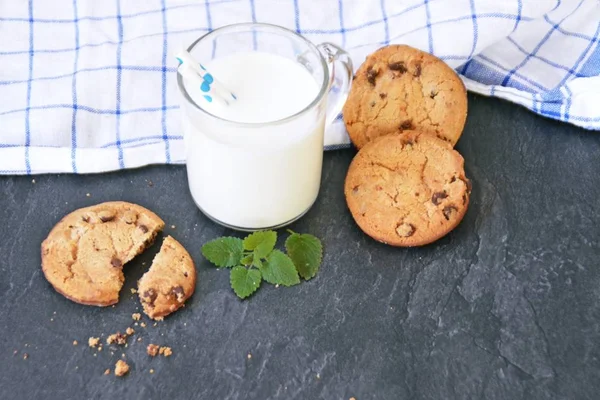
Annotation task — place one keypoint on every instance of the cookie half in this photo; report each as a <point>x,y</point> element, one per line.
<point>407,189</point>
<point>84,254</point>
<point>169,282</point>
<point>401,88</point>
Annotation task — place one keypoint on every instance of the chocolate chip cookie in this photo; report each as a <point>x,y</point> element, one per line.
<point>400,88</point>
<point>84,254</point>
<point>407,189</point>
<point>169,282</point>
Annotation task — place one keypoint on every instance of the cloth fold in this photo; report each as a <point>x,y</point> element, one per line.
<point>89,86</point>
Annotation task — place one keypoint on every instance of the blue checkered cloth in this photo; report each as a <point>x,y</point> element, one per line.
<point>90,86</point>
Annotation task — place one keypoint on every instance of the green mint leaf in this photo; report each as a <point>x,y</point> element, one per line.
<point>224,252</point>
<point>279,269</point>
<point>257,263</point>
<point>306,251</point>
<point>244,281</point>
<point>247,260</point>
<point>261,243</point>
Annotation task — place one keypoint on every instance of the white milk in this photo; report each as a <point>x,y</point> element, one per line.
<point>256,176</point>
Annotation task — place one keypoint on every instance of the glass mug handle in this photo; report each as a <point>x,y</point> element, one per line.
<point>341,72</point>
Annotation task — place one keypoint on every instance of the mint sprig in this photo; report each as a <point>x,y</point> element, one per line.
<point>255,259</point>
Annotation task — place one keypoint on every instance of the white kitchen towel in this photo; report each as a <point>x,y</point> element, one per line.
<point>89,86</point>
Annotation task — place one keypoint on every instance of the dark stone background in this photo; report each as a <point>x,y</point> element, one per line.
<point>505,307</point>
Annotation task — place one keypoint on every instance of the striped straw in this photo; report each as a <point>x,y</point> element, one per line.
<point>198,76</point>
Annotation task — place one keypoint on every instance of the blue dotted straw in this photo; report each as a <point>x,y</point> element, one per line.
<point>196,74</point>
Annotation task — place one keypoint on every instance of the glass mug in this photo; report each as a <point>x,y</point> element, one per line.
<point>254,176</point>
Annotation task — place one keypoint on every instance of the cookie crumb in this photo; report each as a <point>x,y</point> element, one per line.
<point>143,324</point>
<point>165,351</point>
<point>25,356</point>
<point>33,181</point>
<point>277,285</point>
<point>151,371</point>
<point>129,331</point>
<point>95,354</point>
<point>136,316</point>
<point>51,319</point>
<point>133,291</point>
<point>107,372</point>
<point>117,338</point>
<point>352,398</point>
<point>87,195</point>
<point>150,183</point>
<point>155,324</point>
<point>121,368</point>
<point>318,376</point>
<point>75,343</point>
<point>15,352</point>
<point>100,348</point>
<point>249,356</point>
<point>152,350</point>
<point>139,339</point>
<point>93,341</point>
<point>173,226</point>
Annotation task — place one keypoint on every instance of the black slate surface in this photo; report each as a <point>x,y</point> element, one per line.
<point>505,307</point>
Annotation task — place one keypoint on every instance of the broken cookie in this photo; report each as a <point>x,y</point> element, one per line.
<point>169,282</point>
<point>84,254</point>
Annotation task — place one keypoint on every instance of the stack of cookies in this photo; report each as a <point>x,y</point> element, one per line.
<point>405,112</point>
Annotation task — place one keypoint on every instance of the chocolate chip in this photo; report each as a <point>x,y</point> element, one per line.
<point>398,66</point>
<point>453,179</point>
<point>405,230</point>
<point>382,95</point>
<point>407,125</point>
<point>115,262</point>
<point>85,218</point>
<point>143,228</point>
<point>448,210</point>
<point>371,75</point>
<point>438,197</point>
<point>107,218</point>
<point>355,189</point>
<point>373,104</point>
<point>417,72</point>
<point>179,293</point>
<point>433,94</point>
<point>149,296</point>
<point>185,274</point>
<point>406,142</point>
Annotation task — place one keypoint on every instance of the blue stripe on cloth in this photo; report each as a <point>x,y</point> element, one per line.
<point>122,68</point>
<point>111,17</point>
<point>475,37</point>
<point>90,109</point>
<point>74,89</point>
<point>253,16</point>
<point>210,27</point>
<point>429,31</point>
<point>30,76</point>
<point>341,17</point>
<point>297,16</point>
<point>153,138</point>
<point>164,85</point>
<point>386,26</point>
<point>68,50</point>
<point>119,76</point>
<point>519,14</point>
